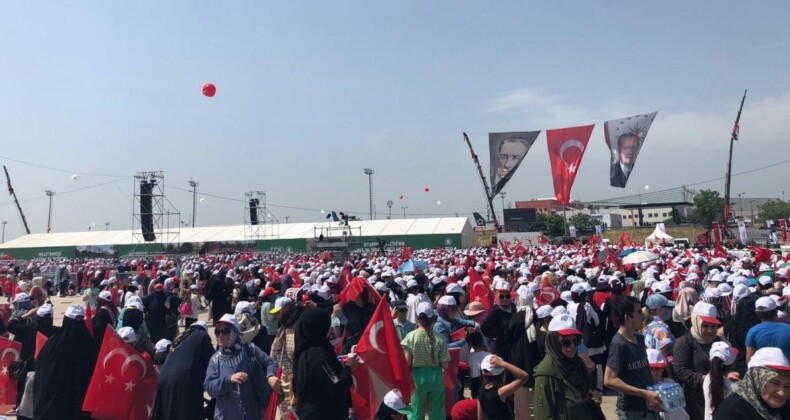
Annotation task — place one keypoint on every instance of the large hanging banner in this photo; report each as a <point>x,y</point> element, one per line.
<point>566,149</point>
<point>625,138</point>
<point>507,150</point>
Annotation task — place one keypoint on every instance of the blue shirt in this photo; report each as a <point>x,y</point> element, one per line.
<point>770,334</point>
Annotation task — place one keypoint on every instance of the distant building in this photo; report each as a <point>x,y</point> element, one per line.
<point>747,209</point>
<point>547,206</point>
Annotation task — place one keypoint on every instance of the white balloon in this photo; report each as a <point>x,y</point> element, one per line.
<point>438,203</point>
<point>75,177</point>
<point>202,200</point>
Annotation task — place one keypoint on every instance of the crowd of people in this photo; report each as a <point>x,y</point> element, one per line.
<point>541,331</point>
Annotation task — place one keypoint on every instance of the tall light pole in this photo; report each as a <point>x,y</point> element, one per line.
<point>389,209</point>
<point>369,173</point>
<point>502,195</point>
<point>404,210</point>
<point>286,219</point>
<point>740,204</point>
<point>751,207</point>
<point>49,194</point>
<point>106,226</point>
<point>194,184</point>
<point>5,222</point>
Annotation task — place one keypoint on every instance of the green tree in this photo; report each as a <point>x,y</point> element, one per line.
<point>708,207</point>
<point>775,210</point>
<point>552,225</point>
<point>583,222</point>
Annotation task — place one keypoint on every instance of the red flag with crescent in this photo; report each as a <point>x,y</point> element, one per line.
<point>566,149</point>
<point>9,353</point>
<point>123,385</point>
<point>383,366</point>
<point>480,290</point>
<point>41,339</point>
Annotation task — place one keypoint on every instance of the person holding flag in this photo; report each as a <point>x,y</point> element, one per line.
<point>427,354</point>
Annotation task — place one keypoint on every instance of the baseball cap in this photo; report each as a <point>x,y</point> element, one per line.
<point>770,357</point>
<point>543,311</point>
<point>559,310</point>
<point>394,400</point>
<point>656,301</point>
<point>162,345</point>
<point>453,288</point>
<point>656,359</point>
<point>706,312</point>
<point>127,334</point>
<point>21,297</point>
<point>502,286</point>
<point>725,289</point>
<point>447,300</point>
<point>106,295</point>
<point>662,287</point>
<point>765,280</point>
<point>411,283</point>
<point>243,306</point>
<point>489,369</point>
<point>229,319</point>
<point>741,291</point>
<point>723,351</point>
<point>44,310</point>
<point>74,311</point>
<point>426,309</point>
<point>279,303</point>
<point>564,325</point>
<point>765,304</point>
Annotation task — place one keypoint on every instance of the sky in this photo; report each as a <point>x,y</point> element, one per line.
<point>311,92</point>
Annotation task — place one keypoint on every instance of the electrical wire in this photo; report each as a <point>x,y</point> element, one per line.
<point>62,170</point>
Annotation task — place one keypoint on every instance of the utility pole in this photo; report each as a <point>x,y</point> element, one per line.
<point>404,210</point>
<point>286,219</point>
<point>369,173</point>
<point>389,209</point>
<point>5,222</point>
<point>502,195</point>
<point>740,204</point>
<point>49,194</point>
<point>194,185</point>
<point>106,226</point>
<point>751,207</point>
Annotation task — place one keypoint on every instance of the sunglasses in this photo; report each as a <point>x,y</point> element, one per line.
<point>224,331</point>
<point>403,309</point>
<point>570,343</point>
<point>504,297</point>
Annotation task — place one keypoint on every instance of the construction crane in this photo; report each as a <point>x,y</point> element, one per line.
<point>13,194</point>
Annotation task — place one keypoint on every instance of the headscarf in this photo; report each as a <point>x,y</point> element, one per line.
<point>232,352</point>
<point>311,331</point>
<point>562,363</point>
<point>687,298</point>
<point>696,330</point>
<point>751,390</point>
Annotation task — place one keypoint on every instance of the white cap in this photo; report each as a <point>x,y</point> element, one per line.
<point>543,311</point>
<point>723,351</point>
<point>447,300</point>
<point>740,280</point>
<point>426,309</point>
<point>127,334</point>
<point>135,302</point>
<point>707,312</point>
<point>524,291</point>
<point>655,359</point>
<point>44,310</point>
<point>564,325</point>
<point>394,400</point>
<point>412,283</point>
<point>453,288</point>
<point>770,357</point>
<point>559,310</point>
<point>725,289</point>
<point>765,304</point>
<point>765,280</point>
<point>740,291</point>
<point>193,287</point>
<point>229,319</point>
<point>712,292</point>
<point>566,296</point>
<point>381,287</point>
<point>662,287</point>
<point>21,297</point>
<point>201,324</point>
<point>502,286</point>
<point>489,369</point>
<point>106,295</point>
<point>74,311</point>
<point>243,307</point>
<point>280,303</point>
<point>162,345</point>
<point>578,288</point>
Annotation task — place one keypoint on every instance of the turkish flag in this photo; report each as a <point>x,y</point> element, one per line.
<point>274,400</point>
<point>89,318</point>
<point>345,276</point>
<point>123,385</point>
<point>41,339</point>
<point>480,290</point>
<point>384,365</point>
<point>9,353</point>
<point>566,149</point>
<point>762,255</point>
<point>450,376</point>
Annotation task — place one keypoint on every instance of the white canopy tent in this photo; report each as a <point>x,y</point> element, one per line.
<point>658,236</point>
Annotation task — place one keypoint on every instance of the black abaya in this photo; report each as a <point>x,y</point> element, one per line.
<point>179,393</point>
<point>64,368</point>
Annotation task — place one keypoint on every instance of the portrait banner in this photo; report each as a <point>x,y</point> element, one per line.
<point>742,232</point>
<point>625,138</point>
<point>599,230</point>
<point>507,150</point>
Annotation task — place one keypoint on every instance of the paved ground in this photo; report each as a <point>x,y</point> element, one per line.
<point>60,305</point>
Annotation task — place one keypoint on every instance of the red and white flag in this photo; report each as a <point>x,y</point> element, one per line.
<point>383,366</point>
<point>123,386</point>
<point>566,150</point>
<point>480,290</point>
<point>9,353</point>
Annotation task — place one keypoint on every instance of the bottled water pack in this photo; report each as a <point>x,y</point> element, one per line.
<point>671,395</point>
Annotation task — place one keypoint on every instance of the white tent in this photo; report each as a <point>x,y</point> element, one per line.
<point>658,236</point>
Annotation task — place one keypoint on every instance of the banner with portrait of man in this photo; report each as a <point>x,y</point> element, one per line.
<point>507,150</point>
<point>625,138</point>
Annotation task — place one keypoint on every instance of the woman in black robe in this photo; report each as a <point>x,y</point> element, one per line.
<point>179,393</point>
<point>106,314</point>
<point>219,295</point>
<point>321,384</point>
<point>23,326</point>
<point>64,368</point>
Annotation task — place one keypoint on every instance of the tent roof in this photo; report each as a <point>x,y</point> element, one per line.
<point>658,235</point>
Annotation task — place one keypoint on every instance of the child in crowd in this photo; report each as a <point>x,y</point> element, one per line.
<point>721,381</point>
<point>393,407</point>
<point>658,367</point>
<point>478,352</point>
<point>493,396</point>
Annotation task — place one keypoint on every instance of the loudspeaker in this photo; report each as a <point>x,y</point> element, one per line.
<point>254,211</point>
<point>146,210</point>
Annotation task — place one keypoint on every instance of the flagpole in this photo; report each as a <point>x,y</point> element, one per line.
<point>489,198</point>
<point>734,137</point>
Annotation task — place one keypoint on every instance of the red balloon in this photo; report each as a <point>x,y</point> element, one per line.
<point>401,197</point>
<point>426,189</point>
<point>209,89</point>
